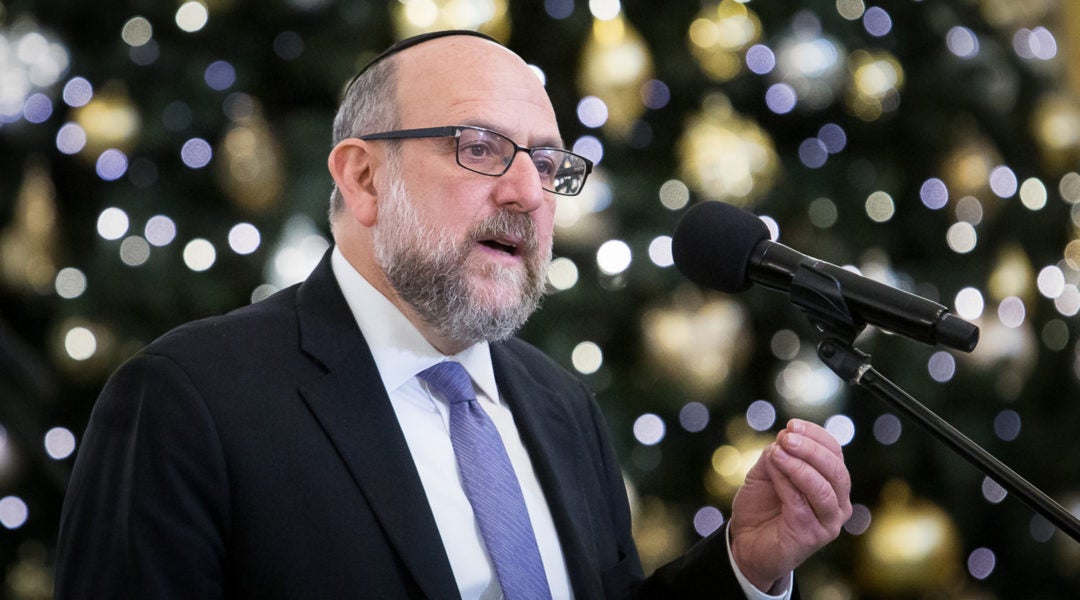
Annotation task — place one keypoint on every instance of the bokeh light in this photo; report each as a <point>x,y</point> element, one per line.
<point>694,417</point>
<point>587,358</point>
<point>59,443</point>
<point>199,255</point>
<point>649,429</point>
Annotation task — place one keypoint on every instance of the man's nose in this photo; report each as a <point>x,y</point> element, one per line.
<point>520,185</point>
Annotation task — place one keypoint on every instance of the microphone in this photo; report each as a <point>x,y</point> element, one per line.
<point>719,246</point>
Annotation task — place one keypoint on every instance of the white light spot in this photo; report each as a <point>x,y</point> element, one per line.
<point>199,255</point>
<point>112,223</point>
<point>587,358</point>
<point>70,138</point>
<point>1011,312</point>
<point>969,303</point>
<point>192,16</point>
<point>674,194</point>
<point>111,165</point>
<point>961,237</point>
<point>592,112</point>
<point>842,428</point>
<point>760,415</point>
<point>244,238</point>
<point>70,283</point>
<point>77,92</point>
<point>781,98</point>
<point>196,153</point>
<point>59,443</point>
<point>613,257</point>
<point>880,207</point>
<point>934,194</point>
<point>649,429</point>
<point>80,343</point>
<point>1003,182</point>
<point>563,273</point>
<point>605,10</point>
<point>760,59</point>
<point>13,512</point>
<point>589,147</point>
<point>707,520</point>
<point>134,251</point>
<point>1051,282</point>
<point>981,563</point>
<point>993,492</point>
<point>160,230</point>
<point>962,42</point>
<point>942,366</point>
<point>660,251</point>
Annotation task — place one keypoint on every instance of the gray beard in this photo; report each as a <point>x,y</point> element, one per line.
<point>429,272</point>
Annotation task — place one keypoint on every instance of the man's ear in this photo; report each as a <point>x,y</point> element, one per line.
<point>352,164</point>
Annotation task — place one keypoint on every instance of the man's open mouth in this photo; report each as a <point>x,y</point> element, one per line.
<point>501,245</point>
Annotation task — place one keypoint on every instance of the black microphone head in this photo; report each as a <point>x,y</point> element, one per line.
<point>712,245</point>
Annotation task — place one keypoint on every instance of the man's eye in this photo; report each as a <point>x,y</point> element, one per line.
<point>545,165</point>
<point>477,151</point>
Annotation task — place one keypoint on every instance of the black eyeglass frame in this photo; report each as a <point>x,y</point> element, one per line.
<point>454,131</point>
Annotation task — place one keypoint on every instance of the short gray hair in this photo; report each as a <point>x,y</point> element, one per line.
<point>369,106</point>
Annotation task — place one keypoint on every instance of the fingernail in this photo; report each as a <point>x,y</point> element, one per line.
<point>796,426</point>
<point>792,440</point>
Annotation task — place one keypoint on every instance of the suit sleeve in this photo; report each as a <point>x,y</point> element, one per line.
<point>146,510</point>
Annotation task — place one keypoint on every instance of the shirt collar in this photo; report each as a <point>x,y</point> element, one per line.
<point>399,349</point>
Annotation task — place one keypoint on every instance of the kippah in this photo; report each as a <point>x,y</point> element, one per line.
<point>409,42</point>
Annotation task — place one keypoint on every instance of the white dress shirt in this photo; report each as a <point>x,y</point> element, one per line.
<point>401,352</point>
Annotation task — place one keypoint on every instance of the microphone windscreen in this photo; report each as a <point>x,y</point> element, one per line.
<point>712,245</point>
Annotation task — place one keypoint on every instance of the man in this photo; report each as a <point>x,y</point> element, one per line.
<point>307,446</point>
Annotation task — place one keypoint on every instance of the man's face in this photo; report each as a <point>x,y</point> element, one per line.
<point>467,300</point>
<point>486,240</point>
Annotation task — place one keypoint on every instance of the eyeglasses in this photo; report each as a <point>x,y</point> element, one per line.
<point>489,153</point>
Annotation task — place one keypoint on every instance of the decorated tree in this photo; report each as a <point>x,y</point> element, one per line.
<point>164,162</point>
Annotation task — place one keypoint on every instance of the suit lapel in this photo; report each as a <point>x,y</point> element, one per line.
<point>354,410</point>
<point>549,435</point>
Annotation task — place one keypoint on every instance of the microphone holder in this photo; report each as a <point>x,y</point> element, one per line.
<point>820,297</point>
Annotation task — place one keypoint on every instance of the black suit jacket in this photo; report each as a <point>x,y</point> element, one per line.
<point>256,455</point>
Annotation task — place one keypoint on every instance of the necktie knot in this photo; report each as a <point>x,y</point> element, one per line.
<point>451,380</point>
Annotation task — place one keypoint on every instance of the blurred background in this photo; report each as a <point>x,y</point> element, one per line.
<point>165,161</point>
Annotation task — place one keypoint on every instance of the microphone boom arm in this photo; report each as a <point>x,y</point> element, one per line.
<point>820,296</point>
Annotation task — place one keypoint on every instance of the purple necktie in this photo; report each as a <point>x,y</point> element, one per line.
<point>491,486</point>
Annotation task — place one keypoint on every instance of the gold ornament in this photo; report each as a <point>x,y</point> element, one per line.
<point>657,533</point>
<point>110,120</point>
<point>615,64</point>
<point>251,170</point>
<point>699,340</point>
<point>29,242</point>
<point>413,17</point>
<point>1055,125</point>
<point>911,547</point>
<point>726,156</point>
<point>876,81</point>
<point>719,37</point>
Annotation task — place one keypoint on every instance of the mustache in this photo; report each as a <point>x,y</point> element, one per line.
<point>508,223</point>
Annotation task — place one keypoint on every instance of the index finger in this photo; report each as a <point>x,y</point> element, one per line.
<point>817,433</point>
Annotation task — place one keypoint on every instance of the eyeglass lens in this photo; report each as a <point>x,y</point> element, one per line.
<point>490,153</point>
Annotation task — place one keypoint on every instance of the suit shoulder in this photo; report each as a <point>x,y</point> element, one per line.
<point>238,331</point>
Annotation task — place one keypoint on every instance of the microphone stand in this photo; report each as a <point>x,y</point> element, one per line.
<point>819,295</point>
